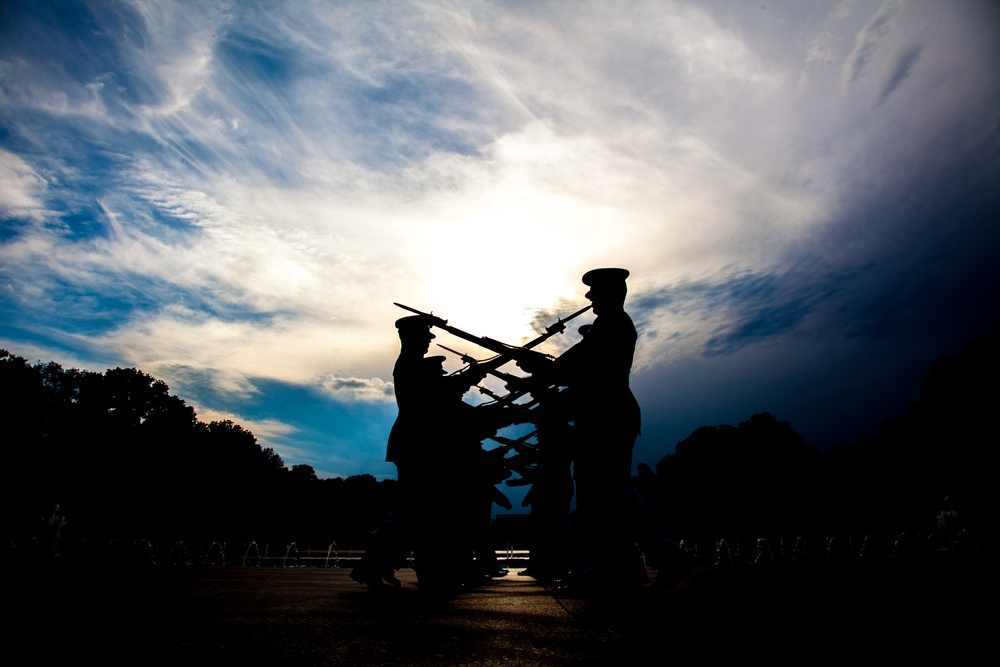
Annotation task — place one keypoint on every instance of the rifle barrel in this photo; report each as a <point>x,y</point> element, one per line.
<point>503,349</point>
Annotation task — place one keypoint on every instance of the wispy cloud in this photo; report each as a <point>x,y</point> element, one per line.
<point>724,313</point>
<point>904,65</point>
<point>869,41</point>
<point>362,389</point>
<point>247,188</point>
<point>20,189</point>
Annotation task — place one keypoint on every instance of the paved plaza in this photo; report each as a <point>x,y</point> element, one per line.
<point>319,616</point>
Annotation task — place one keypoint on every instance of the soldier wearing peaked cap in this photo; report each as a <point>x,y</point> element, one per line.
<point>428,400</point>
<point>606,424</point>
<point>596,370</point>
<point>428,444</point>
<point>410,375</point>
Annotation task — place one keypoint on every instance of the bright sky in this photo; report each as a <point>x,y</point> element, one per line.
<point>231,195</point>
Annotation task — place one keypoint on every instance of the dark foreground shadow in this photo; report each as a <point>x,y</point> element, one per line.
<point>313,616</point>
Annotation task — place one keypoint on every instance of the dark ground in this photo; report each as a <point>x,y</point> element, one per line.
<point>315,616</point>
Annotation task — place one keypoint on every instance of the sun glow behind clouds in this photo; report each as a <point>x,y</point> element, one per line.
<point>247,189</point>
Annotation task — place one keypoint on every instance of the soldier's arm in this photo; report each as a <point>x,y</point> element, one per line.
<point>565,369</point>
<point>461,381</point>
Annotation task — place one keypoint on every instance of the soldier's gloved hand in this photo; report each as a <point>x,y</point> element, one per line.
<point>523,385</point>
<point>518,385</point>
<point>532,362</point>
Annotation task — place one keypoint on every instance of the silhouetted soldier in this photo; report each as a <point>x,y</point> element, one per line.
<point>596,371</point>
<point>430,446</point>
<point>609,515</point>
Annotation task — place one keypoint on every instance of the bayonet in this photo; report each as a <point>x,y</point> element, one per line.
<point>502,349</point>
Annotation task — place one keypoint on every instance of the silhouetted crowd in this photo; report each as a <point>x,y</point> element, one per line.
<point>586,422</point>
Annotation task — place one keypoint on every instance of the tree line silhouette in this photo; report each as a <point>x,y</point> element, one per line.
<point>757,479</point>
<point>126,459</point>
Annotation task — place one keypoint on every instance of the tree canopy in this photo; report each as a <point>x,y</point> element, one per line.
<point>125,458</point>
<point>758,478</point>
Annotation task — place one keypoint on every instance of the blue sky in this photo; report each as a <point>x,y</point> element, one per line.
<point>231,195</point>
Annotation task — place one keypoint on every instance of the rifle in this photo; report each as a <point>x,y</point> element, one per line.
<point>520,445</point>
<point>504,353</point>
<point>503,350</point>
<point>507,400</point>
<point>522,450</point>
<point>490,366</point>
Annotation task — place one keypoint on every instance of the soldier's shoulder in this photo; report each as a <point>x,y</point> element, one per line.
<point>613,321</point>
